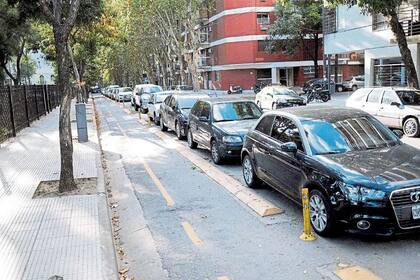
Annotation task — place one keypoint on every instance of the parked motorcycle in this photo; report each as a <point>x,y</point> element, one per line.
<point>234,90</point>
<point>318,94</point>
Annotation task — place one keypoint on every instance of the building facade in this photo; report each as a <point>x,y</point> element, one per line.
<point>234,48</point>
<point>368,39</point>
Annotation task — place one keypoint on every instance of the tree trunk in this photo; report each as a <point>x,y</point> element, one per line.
<point>67,182</point>
<point>398,31</point>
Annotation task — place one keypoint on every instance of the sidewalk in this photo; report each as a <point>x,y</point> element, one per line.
<point>66,236</point>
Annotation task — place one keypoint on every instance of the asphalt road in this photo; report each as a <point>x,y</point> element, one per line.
<point>198,230</point>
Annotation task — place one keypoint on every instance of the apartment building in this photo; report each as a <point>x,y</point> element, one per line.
<point>234,48</point>
<point>368,41</point>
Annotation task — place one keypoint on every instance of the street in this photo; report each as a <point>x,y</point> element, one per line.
<point>196,228</point>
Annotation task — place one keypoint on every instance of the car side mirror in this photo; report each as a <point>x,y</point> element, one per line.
<point>203,119</point>
<point>398,133</point>
<point>289,147</point>
<point>395,104</point>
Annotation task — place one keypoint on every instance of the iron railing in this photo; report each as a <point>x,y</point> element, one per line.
<point>21,105</point>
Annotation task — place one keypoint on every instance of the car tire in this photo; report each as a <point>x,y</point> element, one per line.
<point>322,216</point>
<point>215,152</point>
<point>340,88</point>
<point>248,172</point>
<point>190,140</point>
<point>136,107</point>
<point>155,119</point>
<point>178,131</point>
<point>274,106</point>
<point>354,88</point>
<point>162,125</point>
<point>411,127</point>
<point>325,98</point>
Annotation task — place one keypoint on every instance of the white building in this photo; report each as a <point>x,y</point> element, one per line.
<point>348,30</point>
<point>44,70</point>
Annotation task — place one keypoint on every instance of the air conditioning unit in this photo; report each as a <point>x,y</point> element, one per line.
<point>209,51</point>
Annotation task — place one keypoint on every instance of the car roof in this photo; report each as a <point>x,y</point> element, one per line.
<point>225,99</point>
<point>328,113</point>
<point>393,88</point>
<point>183,94</point>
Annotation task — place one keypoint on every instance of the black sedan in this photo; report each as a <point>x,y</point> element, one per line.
<point>357,170</point>
<point>174,112</point>
<point>220,125</point>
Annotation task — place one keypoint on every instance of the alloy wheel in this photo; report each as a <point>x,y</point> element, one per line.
<point>214,152</point>
<point>318,213</point>
<point>178,131</point>
<point>247,170</point>
<point>411,127</point>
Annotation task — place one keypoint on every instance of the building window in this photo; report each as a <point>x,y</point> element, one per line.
<point>309,71</point>
<point>264,46</point>
<point>379,22</point>
<point>264,77</point>
<point>329,20</point>
<point>218,76</point>
<point>389,72</point>
<point>263,19</point>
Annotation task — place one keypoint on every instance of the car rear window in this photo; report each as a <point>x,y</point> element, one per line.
<point>360,95</point>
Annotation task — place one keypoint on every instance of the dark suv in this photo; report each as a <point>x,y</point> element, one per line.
<point>220,124</point>
<point>174,112</point>
<point>357,170</point>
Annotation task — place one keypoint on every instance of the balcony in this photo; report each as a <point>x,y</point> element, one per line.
<point>204,62</point>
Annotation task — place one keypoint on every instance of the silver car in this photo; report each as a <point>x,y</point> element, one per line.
<point>154,103</point>
<point>354,83</point>
<point>395,107</point>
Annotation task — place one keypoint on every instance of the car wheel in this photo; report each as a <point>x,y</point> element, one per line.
<point>178,131</point>
<point>190,140</point>
<point>215,153</point>
<point>411,127</point>
<point>321,213</point>
<point>354,88</point>
<point>136,107</point>
<point>162,125</point>
<point>340,89</point>
<point>274,106</point>
<point>155,119</point>
<point>251,179</point>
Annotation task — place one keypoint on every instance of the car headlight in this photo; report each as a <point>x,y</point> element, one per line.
<point>232,139</point>
<point>356,194</point>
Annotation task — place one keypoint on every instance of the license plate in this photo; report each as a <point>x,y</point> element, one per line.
<point>416,211</point>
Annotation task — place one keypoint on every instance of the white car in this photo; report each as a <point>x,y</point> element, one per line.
<point>153,106</point>
<point>395,107</point>
<point>109,89</point>
<point>275,97</point>
<point>123,94</point>
<point>139,90</point>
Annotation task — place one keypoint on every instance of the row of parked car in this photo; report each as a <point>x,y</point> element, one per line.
<point>359,174</point>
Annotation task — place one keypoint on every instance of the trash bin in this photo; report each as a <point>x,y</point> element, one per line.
<point>82,133</point>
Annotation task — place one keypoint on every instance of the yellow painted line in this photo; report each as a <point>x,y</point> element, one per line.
<point>356,273</point>
<point>192,234</point>
<point>169,201</point>
<point>223,278</point>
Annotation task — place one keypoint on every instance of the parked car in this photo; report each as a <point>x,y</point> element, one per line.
<point>182,88</point>
<point>220,125</point>
<point>234,90</point>
<point>153,107</point>
<point>138,101</point>
<point>275,97</point>
<point>396,107</point>
<point>109,89</point>
<point>123,94</point>
<point>354,83</point>
<point>321,83</point>
<point>174,112</point>
<point>358,172</point>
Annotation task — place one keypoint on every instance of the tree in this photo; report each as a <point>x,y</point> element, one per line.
<point>389,9</point>
<point>298,27</point>
<point>62,17</point>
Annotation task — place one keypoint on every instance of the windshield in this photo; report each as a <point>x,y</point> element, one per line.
<point>160,98</point>
<point>186,102</point>
<point>152,89</point>
<point>353,134</point>
<point>234,111</point>
<point>409,97</point>
<point>284,91</point>
<point>126,89</point>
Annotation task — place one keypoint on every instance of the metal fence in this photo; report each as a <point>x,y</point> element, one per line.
<point>21,105</point>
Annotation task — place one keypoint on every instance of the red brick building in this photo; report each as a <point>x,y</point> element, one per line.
<point>234,48</point>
